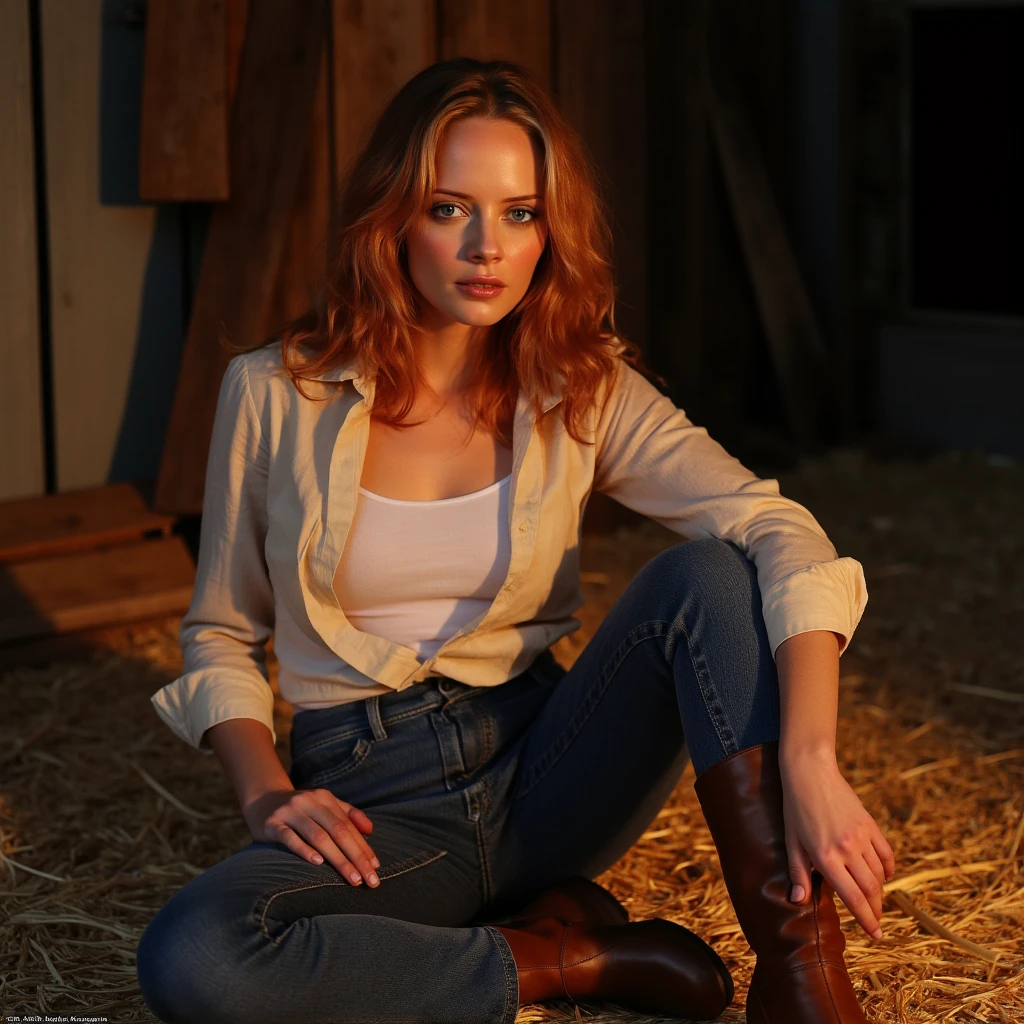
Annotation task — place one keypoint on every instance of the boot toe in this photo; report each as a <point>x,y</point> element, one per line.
<point>659,967</point>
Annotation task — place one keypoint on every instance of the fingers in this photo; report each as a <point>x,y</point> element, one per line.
<point>360,820</point>
<point>799,870</point>
<point>870,883</point>
<point>327,831</point>
<point>875,867</point>
<point>287,836</point>
<point>348,839</point>
<point>860,890</point>
<point>885,854</point>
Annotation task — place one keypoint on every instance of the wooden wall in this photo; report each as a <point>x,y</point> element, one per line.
<point>22,458</point>
<point>89,359</point>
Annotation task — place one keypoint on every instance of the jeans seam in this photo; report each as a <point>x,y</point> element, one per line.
<point>508,962</point>
<point>709,694</point>
<point>402,867</point>
<point>589,704</point>
<point>481,838</point>
<point>487,744</point>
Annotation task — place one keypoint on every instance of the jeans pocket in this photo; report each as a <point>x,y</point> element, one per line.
<point>322,759</point>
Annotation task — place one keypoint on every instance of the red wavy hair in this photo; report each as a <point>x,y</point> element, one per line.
<point>564,326</point>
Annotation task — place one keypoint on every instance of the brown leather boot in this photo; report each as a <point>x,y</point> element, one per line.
<point>577,900</point>
<point>801,976</point>
<point>650,966</point>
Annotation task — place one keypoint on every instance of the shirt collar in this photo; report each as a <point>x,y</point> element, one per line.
<point>349,370</point>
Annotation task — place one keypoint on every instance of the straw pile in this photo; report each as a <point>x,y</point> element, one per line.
<point>104,813</point>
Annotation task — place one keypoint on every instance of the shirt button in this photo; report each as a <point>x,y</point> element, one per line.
<point>522,527</point>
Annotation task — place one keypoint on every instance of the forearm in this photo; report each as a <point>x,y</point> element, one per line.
<point>808,667</point>
<point>246,750</point>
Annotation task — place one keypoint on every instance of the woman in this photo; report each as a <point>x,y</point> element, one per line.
<point>395,489</point>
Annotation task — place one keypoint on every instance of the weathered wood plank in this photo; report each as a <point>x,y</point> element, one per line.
<point>22,460</point>
<point>236,18</point>
<point>519,32</point>
<point>75,521</point>
<point>94,588</point>
<point>377,48</point>
<point>600,86</point>
<point>785,308</point>
<point>599,82</point>
<point>681,221</point>
<point>183,151</point>
<point>303,259</point>
<point>269,131</point>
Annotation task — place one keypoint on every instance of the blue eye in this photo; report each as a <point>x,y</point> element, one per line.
<point>435,212</point>
<point>441,206</point>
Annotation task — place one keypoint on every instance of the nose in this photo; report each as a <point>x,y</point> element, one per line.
<point>483,245</point>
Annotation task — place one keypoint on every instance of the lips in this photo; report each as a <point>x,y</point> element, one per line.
<point>486,282</point>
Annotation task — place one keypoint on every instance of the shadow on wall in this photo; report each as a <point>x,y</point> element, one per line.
<point>173,260</point>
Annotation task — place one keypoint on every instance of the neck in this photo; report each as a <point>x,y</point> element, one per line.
<point>448,358</point>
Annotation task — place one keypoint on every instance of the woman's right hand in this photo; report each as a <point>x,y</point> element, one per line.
<point>317,826</point>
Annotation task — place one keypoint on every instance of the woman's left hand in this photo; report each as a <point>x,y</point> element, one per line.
<point>828,827</point>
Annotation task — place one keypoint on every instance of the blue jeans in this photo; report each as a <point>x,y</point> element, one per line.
<point>480,797</point>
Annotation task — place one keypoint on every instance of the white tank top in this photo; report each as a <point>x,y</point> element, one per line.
<point>416,572</point>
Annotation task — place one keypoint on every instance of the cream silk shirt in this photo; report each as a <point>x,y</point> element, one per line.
<point>281,483</point>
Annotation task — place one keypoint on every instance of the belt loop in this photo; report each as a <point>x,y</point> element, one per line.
<point>448,688</point>
<point>373,714</point>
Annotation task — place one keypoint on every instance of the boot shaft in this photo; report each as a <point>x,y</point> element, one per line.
<point>741,798</point>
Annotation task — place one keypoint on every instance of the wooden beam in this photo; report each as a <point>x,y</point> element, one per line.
<point>183,149</point>
<point>236,17</point>
<point>303,259</point>
<point>785,309</point>
<point>269,135</point>
<point>599,82</point>
<point>852,390</point>
<point>690,341</point>
<point>600,86</point>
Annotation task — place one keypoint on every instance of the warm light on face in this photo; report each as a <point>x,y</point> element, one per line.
<point>486,217</point>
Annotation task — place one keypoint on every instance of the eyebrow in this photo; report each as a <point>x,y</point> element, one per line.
<point>463,195</point>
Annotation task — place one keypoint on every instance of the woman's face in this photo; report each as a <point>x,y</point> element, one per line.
<point>485,218</point>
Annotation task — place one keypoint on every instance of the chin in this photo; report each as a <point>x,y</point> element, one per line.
<point>479,317</point>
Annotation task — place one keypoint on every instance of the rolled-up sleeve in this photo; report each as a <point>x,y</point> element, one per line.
<point>231,617</point>
<point>652,459</point>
